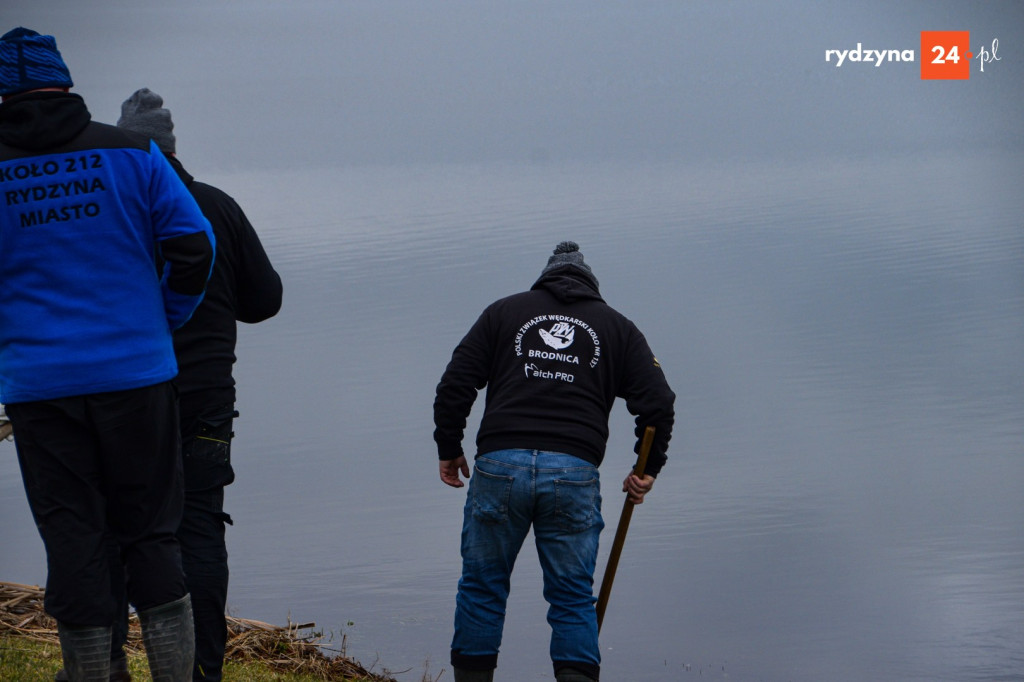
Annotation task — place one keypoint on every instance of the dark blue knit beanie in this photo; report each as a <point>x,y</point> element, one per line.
<point>29,61</point>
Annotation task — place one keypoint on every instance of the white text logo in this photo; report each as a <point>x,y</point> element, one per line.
<point>876,56</point>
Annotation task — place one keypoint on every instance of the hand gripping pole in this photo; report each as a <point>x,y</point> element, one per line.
<point>620,532</point>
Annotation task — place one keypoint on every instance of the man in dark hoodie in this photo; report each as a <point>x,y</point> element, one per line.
<point>86,354</point>
<point>244,287</point>
<point>553,360</point>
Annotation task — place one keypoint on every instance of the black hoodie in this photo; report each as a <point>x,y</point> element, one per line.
<point>553,359</point>
<point>36,121</point>
<point>243,287</point>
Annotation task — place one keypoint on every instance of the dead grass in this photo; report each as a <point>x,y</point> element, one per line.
<point>294,648</point>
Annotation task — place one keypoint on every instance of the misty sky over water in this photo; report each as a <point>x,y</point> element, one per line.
<point>271,84</point>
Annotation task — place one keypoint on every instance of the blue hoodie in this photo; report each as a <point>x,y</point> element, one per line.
<point>84,210</point>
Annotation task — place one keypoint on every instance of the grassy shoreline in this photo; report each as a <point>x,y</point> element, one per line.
<point>28,660</point>
<point>255,652</point>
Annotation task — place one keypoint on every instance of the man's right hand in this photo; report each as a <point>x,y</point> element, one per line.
<point>450,469</point>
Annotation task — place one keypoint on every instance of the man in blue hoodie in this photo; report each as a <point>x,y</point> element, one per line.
<point>553,360</point>
<point>86,354</point>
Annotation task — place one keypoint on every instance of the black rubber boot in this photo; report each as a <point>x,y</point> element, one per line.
<point>572,675</point>
<point>86,652</point>
<point>118,672</point>
<point>169,636</point>
<point>462,675</point>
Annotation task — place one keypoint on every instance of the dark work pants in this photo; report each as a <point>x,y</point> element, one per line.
<point>206,453</point>
<point>101,465</point>
<point>207,466</point>
<point>119,633</point>
<point>205,559</point>
<point>206,450</point>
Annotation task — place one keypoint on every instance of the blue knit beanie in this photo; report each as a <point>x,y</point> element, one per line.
<point>29,61</point>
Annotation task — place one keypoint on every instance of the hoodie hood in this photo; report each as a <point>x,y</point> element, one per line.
<point>35,121</point>
<point>569,284</point>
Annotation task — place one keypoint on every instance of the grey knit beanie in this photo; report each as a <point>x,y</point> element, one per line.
<point>567,253</point>
<point>143,113</point>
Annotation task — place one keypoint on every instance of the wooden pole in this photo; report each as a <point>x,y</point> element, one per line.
<point>620,532</point>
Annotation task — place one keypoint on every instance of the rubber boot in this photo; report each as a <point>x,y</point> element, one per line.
<point>572,675</point>
<point>169,637</point>
<point>86,652</point>
<point>462,675</point>
<point>118,672</point>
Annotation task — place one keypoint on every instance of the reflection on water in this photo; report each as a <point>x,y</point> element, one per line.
<point>842,499</point>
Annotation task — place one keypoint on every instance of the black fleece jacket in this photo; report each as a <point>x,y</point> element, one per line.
<point>553,360</point>
<point>243,287</point>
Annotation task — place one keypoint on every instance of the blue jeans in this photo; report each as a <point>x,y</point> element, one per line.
<point>560,496</point>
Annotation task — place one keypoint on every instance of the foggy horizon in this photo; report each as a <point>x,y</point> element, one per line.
<point>317,82</point>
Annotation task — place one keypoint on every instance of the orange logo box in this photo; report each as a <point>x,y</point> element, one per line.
<point>945,55</point>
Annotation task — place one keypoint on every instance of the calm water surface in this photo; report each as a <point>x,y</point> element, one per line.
<point>844,491</point>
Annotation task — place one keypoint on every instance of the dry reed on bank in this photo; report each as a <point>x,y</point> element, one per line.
<point>293,648</point>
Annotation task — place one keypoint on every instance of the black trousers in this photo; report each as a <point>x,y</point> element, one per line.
<point>206,450</point>
<point>205,559</point>
<point>98,466</point>
<point>206,454</point>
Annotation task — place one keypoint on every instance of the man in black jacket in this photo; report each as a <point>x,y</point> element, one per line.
<point>553,360</point>
<point>243,287</point>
